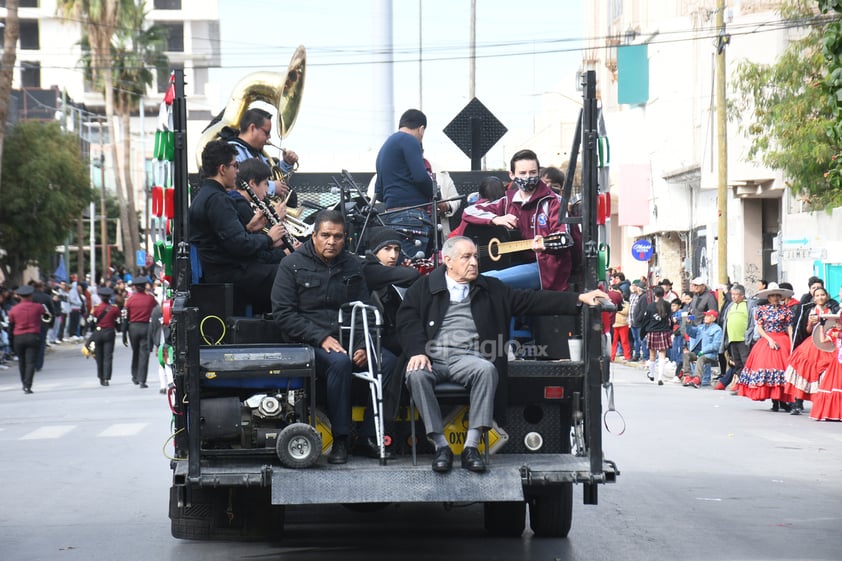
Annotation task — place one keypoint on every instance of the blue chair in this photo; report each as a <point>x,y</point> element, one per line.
<point>195,265</point>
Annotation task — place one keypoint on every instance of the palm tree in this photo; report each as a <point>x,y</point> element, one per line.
<point>137,53</point>
<point>101,20</point>
<point>7,63</point>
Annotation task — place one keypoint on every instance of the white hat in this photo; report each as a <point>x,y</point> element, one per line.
<point>699,281</point>
<point>771,289</point>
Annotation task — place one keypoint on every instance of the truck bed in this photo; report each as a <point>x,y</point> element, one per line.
<point>364,480</point>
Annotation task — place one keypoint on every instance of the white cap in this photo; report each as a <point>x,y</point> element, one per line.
<point>699,281</point>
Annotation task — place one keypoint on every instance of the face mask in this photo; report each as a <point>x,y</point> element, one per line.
<point>526,183</point>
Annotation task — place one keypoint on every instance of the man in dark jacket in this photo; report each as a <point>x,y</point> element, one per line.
<point>310,287</point>
<point>386,278</point>
<point>228,252</point>
<point>453,327</point>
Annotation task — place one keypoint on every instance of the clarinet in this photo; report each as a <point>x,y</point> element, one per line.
<point>269,212</point>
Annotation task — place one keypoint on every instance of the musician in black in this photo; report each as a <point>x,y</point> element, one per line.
<point>255,132</point>
<point>254,176</point>
<point>228,252</point>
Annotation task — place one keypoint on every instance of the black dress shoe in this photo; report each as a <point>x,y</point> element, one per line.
<point>27,390</point>
<point>368,448</point>
<point>339,451</point>
<point>443,460</point>
<point>472,460</point>
<point>143,385</point>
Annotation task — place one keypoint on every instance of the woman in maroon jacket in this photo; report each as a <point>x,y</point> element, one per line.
<point>104,320</point>
<point>25,333</point>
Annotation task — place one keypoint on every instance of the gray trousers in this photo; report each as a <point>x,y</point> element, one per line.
<point>469,370</point>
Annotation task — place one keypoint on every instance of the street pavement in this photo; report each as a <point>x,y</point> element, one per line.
<point>705,476</point>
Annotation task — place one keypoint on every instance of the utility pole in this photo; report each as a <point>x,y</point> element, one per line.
<point>722,145</point>
<point>103,232</point>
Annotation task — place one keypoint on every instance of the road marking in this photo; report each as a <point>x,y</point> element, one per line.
<point>54,431</point>
<point>123,429</point>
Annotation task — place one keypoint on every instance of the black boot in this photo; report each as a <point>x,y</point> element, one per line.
<point>776,405</point>
<point>797,407</point>
<point>339,451</point>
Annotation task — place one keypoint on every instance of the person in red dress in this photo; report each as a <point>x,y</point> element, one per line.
<point>808,361</point>
<point>762,376</point>
<point>827,401</point>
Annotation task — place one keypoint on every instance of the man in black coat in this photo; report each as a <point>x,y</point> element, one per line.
<point>310,287</point>
<point>454,326</point>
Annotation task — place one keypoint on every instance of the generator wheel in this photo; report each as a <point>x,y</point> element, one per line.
<point>299,446</point>
<point>506,519</point>
<point>551,511</point>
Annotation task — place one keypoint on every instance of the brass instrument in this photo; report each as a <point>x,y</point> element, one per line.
<point>279,175</point>
<point>47,316</point>
<point>282,91</point>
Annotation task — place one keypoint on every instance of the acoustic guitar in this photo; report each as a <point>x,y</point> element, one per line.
<point>496,248</point>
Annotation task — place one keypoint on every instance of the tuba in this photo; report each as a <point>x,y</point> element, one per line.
<point>282,91</point>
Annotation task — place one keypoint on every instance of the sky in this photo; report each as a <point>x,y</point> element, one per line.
<point>524,50</point>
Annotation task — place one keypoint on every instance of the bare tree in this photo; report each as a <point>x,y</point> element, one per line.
<point>7,65</point>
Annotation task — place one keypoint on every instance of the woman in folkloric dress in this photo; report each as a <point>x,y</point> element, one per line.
<point>762,376</point>
<point>808,361</point>
<point>827,401</point>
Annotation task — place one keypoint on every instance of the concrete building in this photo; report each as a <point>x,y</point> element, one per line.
<point>660,119</point>
<point>48,69</point>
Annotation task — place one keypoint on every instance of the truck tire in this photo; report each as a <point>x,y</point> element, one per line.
<point>551,511</point>
<point>232,513</point>
<point>298,446</point>
<point>506,519</point>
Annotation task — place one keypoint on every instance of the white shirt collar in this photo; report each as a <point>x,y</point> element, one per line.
<point>457,290</point>
<point>522,196</point>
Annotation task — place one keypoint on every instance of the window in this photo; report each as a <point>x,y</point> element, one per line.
<point>22,4</point>
<point>29,36</point>
<point>164,77</point>
<point>175,35</point>
<point>30,74</point>
<point>167,4</point>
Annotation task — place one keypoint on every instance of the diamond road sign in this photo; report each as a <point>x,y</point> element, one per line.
<point>461,127</point>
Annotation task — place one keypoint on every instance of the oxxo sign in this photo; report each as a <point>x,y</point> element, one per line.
<point>642,250</point>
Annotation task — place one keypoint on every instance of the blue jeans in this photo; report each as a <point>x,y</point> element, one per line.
<point>639,348</point>
<point>520,276</point>
<point>414,227</point>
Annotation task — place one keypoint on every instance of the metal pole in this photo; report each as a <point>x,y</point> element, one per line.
<point>472,54</point>
<point>92,237</point>
<point>420,59</point>
<point>722,148</point>
<point>103,232</point>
